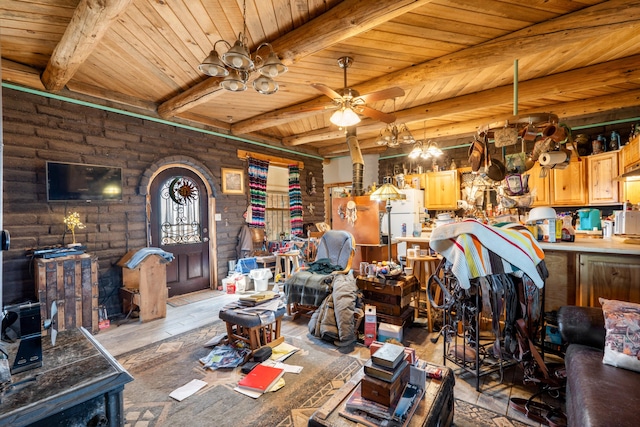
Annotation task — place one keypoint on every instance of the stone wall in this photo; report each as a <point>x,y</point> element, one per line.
<point>38,128</point>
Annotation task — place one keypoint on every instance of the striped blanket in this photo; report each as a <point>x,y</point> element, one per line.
<point>468,247</point>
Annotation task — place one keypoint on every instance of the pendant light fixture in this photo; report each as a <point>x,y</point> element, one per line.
<point>237,65</point>
<point>395,134</point>
<point>425,149</point>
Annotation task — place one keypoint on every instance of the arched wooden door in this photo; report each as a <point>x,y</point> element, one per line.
<point>179,224</point>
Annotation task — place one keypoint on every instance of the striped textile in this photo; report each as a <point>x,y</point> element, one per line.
<point>295,201</point>
<point>467,246</point>
<point>258,170</point>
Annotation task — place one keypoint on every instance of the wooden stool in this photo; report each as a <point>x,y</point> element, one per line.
<point>423,268</point>
<point>291,262</point>
<point>249,328</point>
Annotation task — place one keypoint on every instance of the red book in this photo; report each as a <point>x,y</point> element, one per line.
<point>261,378</point>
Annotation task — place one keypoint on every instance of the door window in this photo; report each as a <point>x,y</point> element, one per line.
<point>179,215</point>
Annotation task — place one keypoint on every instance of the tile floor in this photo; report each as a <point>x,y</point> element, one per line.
<point>494,394</point>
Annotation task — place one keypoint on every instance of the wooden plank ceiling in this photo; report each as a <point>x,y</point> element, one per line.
<point>454,59</point>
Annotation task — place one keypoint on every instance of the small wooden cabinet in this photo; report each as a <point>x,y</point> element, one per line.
<point>442,190</point>
<point>602,185</point>
<point>608,276</point>
<point>569,186</point>
<point>72,282</point>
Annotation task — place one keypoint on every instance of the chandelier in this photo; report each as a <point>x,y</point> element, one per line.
<point>394,135</point>
<point>237,65</point>
<point>425,150</point>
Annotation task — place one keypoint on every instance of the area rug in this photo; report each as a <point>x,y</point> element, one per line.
<point>160,368</point>
<point>180,300</point>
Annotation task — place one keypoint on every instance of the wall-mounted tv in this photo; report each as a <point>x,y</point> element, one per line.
<point>75,181</point>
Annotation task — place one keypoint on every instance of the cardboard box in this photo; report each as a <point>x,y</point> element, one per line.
<point>388,332</point>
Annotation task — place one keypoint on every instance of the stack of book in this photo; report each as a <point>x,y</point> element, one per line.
<point>384,397</point>
<point>386,374</point>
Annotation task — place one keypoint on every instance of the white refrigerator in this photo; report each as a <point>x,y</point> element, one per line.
<point>406,212</point>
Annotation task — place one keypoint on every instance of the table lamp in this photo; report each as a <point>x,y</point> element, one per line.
<point>388,192</point>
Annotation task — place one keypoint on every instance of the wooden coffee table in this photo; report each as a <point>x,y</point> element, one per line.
<point>435,409</point>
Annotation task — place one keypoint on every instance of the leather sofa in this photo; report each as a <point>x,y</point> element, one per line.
<point>597,394</point>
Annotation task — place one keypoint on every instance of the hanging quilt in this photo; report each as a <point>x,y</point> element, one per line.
<point>295,201</point>
<point>257,191</point>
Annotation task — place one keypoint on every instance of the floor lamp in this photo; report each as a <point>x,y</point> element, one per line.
<point>388,192</point>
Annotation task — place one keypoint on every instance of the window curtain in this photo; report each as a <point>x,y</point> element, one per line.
<point>257,190</point>
<point>295,201</point>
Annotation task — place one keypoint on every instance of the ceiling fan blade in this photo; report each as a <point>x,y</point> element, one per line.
<point>375,114</point>
<point>326,90</point>
<point>392,92</point>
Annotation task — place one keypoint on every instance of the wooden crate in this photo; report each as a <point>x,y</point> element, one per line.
<point>71,281</point>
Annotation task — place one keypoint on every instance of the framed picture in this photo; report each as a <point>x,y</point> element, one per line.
<point>232,181</point>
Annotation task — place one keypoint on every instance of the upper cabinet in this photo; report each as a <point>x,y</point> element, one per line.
<point>630,153</point>
<point>569,185</point>
<point>442,190</point>
<point>602,169</point>
<point>540,185</point>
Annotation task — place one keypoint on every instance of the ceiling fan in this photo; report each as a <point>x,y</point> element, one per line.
<point>350,103</point>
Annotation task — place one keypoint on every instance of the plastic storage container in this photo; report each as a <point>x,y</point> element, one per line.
<point>261,278</point>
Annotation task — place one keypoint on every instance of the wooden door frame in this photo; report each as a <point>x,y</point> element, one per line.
<point>211,206</point>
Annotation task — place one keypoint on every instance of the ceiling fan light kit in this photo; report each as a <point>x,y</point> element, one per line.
<point>237,65</point>
<point>349,103</point>
<point>345,117</point>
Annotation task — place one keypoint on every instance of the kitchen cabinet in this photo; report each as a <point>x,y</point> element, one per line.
<point>442,190</point>
<point>630,153</point>
<point>561,285</point>
<point>541,186</point>
<point>568,186</point>
<point>608,276</point>
<point>602,168</point>
<point>630,157</point>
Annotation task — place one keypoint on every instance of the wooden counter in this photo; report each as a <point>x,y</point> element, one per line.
<point>580,272</point>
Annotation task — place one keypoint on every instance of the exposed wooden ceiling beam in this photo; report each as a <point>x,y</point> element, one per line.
<point>91,20</point>
<point>564,110</point>
<point>564,30</point>
<point>591,77</point>
<point>347,19</point>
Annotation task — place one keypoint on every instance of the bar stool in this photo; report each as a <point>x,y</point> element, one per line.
<point>423,268</point>
<point>291,262</point>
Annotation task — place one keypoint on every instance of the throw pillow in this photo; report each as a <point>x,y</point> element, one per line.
<point>622,341</point>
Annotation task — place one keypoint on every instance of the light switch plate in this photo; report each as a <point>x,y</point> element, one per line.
<point>218,217</point>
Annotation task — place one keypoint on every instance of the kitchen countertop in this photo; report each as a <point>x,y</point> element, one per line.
<point>614,245</point>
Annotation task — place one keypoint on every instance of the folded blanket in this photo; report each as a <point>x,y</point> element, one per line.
<point>467,245</point>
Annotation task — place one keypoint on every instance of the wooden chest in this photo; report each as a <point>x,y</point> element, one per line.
<point>71,281</point>
<point>392,298</point>
<point>383,392</point>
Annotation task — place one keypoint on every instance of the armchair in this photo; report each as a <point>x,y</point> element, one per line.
<point>306,289</point>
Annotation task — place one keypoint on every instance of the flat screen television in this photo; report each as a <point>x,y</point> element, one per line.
<point>75,181</point>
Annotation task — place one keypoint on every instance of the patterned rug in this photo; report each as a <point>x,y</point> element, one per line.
<point>160,368</point>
